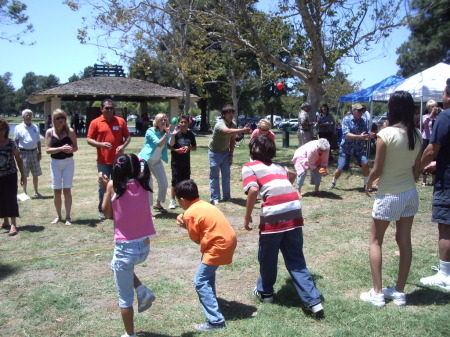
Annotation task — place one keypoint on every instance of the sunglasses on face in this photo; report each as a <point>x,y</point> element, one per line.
<point>60,118</point>
<point>108,108</point>
<point>264,130</point>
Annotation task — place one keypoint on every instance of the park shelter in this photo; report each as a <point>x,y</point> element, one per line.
<point>426,85</point>
<point>115,88</point>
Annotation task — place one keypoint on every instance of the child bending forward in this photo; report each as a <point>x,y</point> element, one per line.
<point>208,227</point>
<point>280,224</point>
<point>127,200</point>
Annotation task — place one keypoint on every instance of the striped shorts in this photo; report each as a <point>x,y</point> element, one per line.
<point>31,163</point>
<point>396,206</point>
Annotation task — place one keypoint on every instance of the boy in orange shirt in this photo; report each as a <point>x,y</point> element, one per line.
<point>209,227</point>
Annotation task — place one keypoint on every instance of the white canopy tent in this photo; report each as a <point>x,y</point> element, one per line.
<point>426,85</point>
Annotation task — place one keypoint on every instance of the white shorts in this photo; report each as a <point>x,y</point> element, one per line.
<point>396,206</point>
<point>62,171</point>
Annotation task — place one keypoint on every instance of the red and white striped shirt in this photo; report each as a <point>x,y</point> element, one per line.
<point>281,210</point>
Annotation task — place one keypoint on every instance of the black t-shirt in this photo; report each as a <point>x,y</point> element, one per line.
<point>441,136</point>
<point>182,139</point>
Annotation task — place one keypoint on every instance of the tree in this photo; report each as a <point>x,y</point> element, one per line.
<point>30,84</point>
<point>429,41</point>
<point>323,33</point>
<point>12,13</point>
<point>6,95</point>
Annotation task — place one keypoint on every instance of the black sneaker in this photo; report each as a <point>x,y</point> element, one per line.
<point>316,310</point>
<point>266,298</point>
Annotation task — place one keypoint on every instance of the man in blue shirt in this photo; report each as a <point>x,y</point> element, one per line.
<point>355,133</point>
<point>439,148</point>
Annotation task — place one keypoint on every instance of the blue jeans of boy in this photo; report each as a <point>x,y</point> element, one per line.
<point>107,170</point>
<point>219,163</point>
<point>291,245</point>
<point>205,285</point>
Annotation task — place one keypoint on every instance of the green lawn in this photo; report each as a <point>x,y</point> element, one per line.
<point>55,280</point>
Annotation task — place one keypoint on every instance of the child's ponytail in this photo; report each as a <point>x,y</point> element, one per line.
<point>144,177</point>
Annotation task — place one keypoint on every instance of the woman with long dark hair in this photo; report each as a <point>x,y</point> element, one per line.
<point>397,164</point>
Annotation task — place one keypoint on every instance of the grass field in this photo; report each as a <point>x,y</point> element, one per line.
<point>55,280</point>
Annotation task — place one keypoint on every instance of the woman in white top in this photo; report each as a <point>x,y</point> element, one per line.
<point>397,163</point>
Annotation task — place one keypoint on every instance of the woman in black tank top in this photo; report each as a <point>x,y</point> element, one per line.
<point>61,143</point>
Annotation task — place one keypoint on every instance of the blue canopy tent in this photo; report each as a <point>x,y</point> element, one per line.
<point>366,94</point>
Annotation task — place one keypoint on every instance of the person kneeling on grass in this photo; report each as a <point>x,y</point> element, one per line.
<point>280,224</point>
<point>209,227</point>
<point>127,200</point>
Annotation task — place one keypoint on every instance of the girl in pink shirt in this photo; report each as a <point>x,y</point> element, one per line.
<point>263,128</point>
<point>126,200</point>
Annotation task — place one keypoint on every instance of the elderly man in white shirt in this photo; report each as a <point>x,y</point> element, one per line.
<point>27,137</point>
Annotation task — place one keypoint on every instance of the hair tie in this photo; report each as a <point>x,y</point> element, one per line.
<point>141,160</point>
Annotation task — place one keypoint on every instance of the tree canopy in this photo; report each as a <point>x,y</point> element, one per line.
<point>13,13</point>
<point>429,41</point>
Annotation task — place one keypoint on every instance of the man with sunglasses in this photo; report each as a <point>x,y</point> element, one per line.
<point>110,135</point>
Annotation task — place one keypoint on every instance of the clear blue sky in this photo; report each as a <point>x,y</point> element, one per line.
<point>57,50</point>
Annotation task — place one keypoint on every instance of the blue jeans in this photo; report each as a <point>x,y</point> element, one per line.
<point>106,169</point>
<point>291,245</point>
<point>126,256</point>
<point>205,285</point>
<point>316,178</point>
<point>219,163</point>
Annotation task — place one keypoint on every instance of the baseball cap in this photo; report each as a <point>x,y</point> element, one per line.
<point>305,104</point>
<point>357,106</point>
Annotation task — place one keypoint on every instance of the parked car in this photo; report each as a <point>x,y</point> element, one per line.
<point>379,120</point>
<point>277,120</point>
<point>292,123</point>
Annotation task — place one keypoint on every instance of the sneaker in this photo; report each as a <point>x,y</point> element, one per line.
<point>316,309</point>
<point>372,297</point>
<point>437,280</point>
<point>266,298</point>
<point>101,216</point>
<point>392,294</point>
<point>146,299</point>
<point>331,186</point>
<point>209,327</point>
<point>173,204</point>
<point>215,202</point>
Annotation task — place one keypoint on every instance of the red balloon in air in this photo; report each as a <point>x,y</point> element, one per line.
<point>280,86</point>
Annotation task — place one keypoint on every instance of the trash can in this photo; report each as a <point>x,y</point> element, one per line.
<point>42,128</point>
<point>286,130</point>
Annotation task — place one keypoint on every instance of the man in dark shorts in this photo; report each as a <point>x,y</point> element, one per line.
<point>181,144</point>
<point>439,149</point>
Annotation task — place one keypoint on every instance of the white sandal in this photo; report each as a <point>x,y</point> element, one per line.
<point>68,222</point>
<point>57,219</point>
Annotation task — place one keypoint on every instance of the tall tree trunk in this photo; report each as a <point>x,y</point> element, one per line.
<point>187,91</point>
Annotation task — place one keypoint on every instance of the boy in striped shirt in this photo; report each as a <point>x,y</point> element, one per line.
<point>280,225</point>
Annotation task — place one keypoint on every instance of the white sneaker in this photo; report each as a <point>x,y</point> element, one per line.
<point>392,294</point>
<point>372,297</point>
<point>145,300</point>
<point>437,280</point>
<point>173,204</point>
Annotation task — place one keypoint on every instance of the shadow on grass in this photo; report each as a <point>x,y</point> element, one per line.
<point>238,201</point>
<point>233,310</point>
<point>169,215</point>
<point>287,296</point>
<point>86,222</point>
<point>428,296</point>
<point>30,228</point>
<point>44,197</point>
<point>324,195</point>
<point>6,270</point>
<point>151,334</point>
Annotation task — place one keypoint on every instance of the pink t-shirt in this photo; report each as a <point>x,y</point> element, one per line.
<point>256,132</point>
<point>131,213</point>
<point>307,157</point>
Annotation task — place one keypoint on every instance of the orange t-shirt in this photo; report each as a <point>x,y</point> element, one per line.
<point>115,131</point>
<point>207,224</point>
